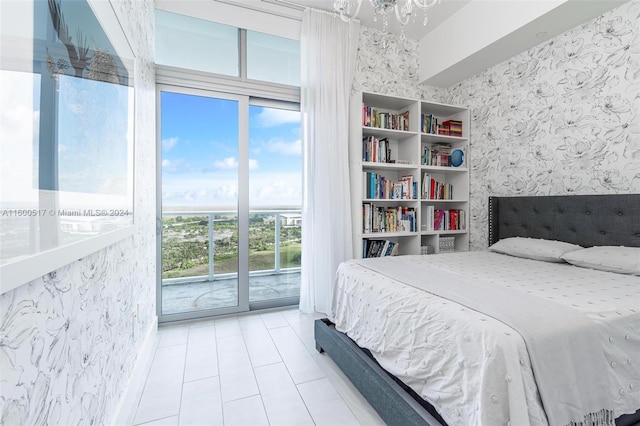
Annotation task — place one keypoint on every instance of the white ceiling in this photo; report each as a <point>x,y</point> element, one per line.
<point>477,33</point>
<point>414,29</point>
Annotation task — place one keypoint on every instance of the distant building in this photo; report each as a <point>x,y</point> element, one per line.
<point>292,219</point>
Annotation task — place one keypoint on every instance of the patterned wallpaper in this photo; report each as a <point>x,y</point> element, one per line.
<point>391,68</point>
<point>560,118</point>
<point>68,340</point>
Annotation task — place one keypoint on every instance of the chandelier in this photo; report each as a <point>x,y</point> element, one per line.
<point>405,10</point>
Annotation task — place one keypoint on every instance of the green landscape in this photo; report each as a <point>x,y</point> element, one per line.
<point>185,244</point>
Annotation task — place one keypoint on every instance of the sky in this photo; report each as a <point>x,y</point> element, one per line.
<point>200,154</point>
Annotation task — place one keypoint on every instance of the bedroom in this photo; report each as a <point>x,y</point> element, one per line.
<point>503,168</point>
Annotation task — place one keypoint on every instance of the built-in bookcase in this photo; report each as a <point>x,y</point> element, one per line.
<point>402,172</point>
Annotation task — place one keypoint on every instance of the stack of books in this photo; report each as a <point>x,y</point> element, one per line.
<point>454,127</point>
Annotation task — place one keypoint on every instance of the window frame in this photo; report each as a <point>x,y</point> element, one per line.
<point>195,79</point>
<point>254,92</point>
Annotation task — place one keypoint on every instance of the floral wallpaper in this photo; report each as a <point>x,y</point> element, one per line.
<point>559,118</point>
<point>390,67</point>
<point>69,340</point>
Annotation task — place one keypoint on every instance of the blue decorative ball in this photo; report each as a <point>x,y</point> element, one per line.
<point>457,158</point>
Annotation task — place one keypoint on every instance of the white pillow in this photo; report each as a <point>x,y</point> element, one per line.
<point>623,260</point>
<point>534,248</point>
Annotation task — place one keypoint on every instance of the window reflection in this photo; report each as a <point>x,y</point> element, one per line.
<point>66,119</point>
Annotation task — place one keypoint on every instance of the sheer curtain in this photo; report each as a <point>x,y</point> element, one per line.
<point>328,50</point>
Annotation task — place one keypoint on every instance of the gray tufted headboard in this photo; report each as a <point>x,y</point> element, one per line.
<point>587,220</point>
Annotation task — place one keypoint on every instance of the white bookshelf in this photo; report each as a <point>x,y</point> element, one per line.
<point>407,147</point>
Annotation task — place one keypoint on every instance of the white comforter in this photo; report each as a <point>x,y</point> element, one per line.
<point>474,369</point>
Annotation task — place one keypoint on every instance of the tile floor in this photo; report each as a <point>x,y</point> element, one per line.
<point>255,369</point>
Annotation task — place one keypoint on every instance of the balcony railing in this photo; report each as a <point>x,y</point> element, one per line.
<point>193,242</point>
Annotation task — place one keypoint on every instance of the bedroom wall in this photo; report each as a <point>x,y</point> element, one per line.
<point>68,340</point>
<point>391,69</point>
<point>560,118</point>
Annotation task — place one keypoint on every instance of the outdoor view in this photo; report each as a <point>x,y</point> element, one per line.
<point>201,166</point>
<point>185,242</point>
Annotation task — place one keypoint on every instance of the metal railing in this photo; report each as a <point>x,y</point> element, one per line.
<point>211,215</point>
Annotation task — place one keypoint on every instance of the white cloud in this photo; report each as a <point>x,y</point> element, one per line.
<point>226,164</point>
<point>169,143</point>
<point>230,163</point>
<point>276,189</point>
<point>202,192</point>
<point>286,148</point>
<point>213,191</point>
<point>62,148</point>
<point>175,165</point>
<point>271,117</point>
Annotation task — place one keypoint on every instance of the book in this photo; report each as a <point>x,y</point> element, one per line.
<point>407,187</point>
<point>454,127</point>
<point>429,218</point>
<point>438,219</point>
<point>379,248</point>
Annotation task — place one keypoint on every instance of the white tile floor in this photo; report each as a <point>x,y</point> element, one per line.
<point>257,369</point>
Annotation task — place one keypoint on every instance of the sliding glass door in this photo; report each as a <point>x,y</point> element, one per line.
<point>275,200</point>
<point>230,182</point>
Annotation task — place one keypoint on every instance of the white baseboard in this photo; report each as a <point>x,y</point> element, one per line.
<point>126,409</point>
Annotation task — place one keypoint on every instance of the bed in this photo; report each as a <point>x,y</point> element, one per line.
<point>474,368</point>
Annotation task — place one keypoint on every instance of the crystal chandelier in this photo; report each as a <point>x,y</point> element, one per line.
<point>405,10</point>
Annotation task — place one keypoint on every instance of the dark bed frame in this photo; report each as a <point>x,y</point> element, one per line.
<point>587,220</point>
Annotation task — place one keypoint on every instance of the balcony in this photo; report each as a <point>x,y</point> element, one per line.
<point>200,258</point>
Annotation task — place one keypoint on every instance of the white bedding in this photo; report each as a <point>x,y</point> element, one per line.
<point>474,369</point>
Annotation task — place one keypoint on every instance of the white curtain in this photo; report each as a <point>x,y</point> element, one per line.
<point>328,51</point>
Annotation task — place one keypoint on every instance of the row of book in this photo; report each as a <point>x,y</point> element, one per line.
<point>445,220</point>
<point>429,124</point>
<point>377,186</point>
<point>435,190</point>
<point>372,117</point>
<point>376,150</point>
<point>379,248</point>
<point>436,155</point>
<point>388,219</point>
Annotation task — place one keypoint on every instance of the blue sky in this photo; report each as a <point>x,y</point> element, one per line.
<point>200,153</point>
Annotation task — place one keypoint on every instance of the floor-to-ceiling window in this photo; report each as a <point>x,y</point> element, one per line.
<point>275,199</point>
<point>200,200</point>
<point>230,169</point>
